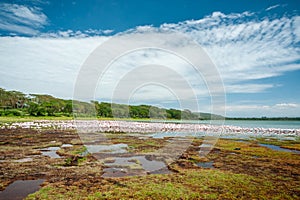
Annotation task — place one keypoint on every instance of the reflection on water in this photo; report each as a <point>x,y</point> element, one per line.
<point>206,145</point>
<point>50,151</point>
<point>119,162</point>
<point>148,165</point>
<point>20,189</point>
<point>274,147</point>
<point>66,145</point>
<point>278,148</point>
<point>133,165</point>
<point>112,148</point>
<point>208,165</point>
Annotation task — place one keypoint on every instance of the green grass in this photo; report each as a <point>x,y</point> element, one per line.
<point>252,149</point>
<point>290,144</point>
<point>79,150</point>
<point>30,118</point>
<point>189,184</point>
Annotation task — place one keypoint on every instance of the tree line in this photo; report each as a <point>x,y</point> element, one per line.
<point>15,103</point>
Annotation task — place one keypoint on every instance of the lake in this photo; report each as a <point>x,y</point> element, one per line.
<point>280,124</point>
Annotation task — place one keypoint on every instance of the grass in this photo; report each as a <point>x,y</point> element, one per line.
<point>32,118</point>
<point>289,144</point>
<point>8,119</point>
<point>78,150</point>
<point>188,184</point>
<point>194,183</point>
<point>252,149</point>
<point>238,174</point>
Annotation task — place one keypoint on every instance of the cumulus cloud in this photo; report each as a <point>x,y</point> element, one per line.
<point>21,19</point>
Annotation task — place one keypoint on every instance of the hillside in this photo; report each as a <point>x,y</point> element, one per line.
<point>15,103</point>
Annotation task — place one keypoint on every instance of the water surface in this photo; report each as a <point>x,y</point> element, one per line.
<point>20,189</point>
<point>208,165</point>
<point>278,148</point>
<point>50,152</point>
<point>111,148</point>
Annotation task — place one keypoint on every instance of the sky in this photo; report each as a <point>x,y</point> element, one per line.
<point>253,46</point>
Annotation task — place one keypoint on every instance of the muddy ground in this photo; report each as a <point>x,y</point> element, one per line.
<point>257,172</point>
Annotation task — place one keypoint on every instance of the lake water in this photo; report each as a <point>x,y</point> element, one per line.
<point>264,124</point>
<point>282,124</point>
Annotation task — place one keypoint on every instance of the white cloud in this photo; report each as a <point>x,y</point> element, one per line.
<point>43,65</point>
<point>29,20</point>
<point>296,27</point>
<point>272,7</point>
<point>108,31</point>
<point>286,105</point>
<point>21,19</point>
<point>254,110</point>
<point>244,49</point>
<point>77,34</point>
<point>248,88</point>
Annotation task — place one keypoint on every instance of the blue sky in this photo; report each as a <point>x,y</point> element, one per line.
<point>254,45</point>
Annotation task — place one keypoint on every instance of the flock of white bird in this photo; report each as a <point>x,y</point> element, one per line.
<point>144,127</point>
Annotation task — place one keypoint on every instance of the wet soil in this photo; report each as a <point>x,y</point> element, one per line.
<point>21,158</point>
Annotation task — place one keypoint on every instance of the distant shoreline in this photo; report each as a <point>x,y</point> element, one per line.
<point>265,119</point>
<point>32,118</point>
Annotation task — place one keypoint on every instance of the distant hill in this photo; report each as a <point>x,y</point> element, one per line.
<point>15,103</point>
<point>207,116</point>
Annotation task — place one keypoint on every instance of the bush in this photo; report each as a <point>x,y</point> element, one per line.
<point>12,112</point>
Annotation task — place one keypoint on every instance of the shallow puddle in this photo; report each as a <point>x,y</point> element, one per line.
<point>278,148</point>
<point>50,152</point>
<point>206,145</point>
<point>134,165</point>
<point>66,145</point>
<point>208,165</point>
<point>146,164</point>
<point>20,189</point>
<point>113,148</point>
<point>121,172</point>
